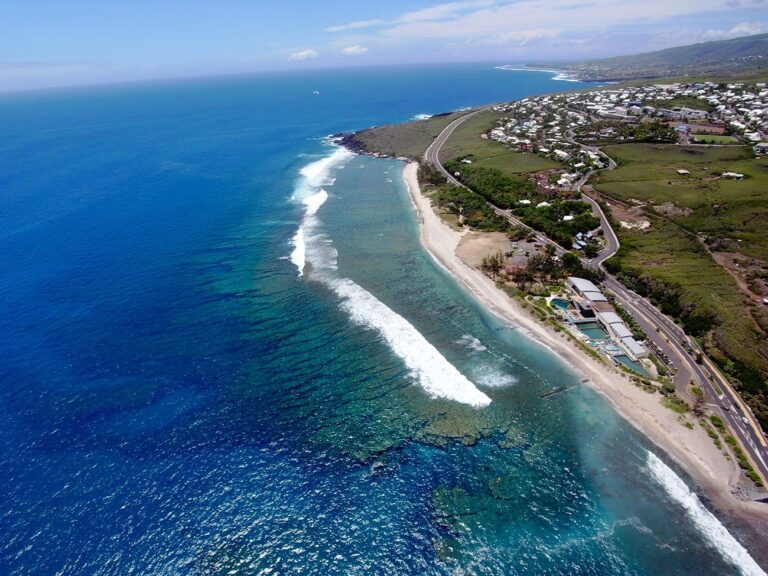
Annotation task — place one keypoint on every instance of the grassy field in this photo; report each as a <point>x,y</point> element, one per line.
<point>714,139</point>
<point>466,142</point>
<point>685,101</point>
<point>687,214</point>
<point>735,211</point>
<point>409,139</point>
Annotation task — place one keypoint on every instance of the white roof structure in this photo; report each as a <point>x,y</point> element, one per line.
<point>621,331</point>
<point>582,285</point>
<point>595,296</point>
<point>633,346</point>
<point>610,318</point>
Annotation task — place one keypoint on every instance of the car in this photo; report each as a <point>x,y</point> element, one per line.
<point>725,407</point>
<point>744,419</point>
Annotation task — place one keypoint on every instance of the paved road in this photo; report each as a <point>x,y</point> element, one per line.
<point>681,350</point>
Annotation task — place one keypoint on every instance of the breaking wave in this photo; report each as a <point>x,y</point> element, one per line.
<point>438,377</point>
<point>493,377</point>
<point>714,532</point>
<point>558,75</point>
<point>310,193</point>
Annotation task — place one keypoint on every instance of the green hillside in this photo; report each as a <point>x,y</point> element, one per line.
<point>725,58</point>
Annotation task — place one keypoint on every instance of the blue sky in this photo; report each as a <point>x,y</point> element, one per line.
<point>69,42</point>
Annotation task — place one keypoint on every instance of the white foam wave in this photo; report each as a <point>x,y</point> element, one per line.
<point>558,75</point>
<point>299,253</point>
<point>714,532</point>
<point>421,116</point>
<point>438,377</point>
<point>308,191</point>
<point>317,173</point>
<point>492,377</point>
<point>472,343</point>
<point>314,202</point>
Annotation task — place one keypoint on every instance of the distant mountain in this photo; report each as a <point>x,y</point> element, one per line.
<point>724,58</point>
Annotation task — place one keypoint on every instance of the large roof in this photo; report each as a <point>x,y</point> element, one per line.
<point>633,346</point>
<point>611,318</point>
<point>621,331</point>
<point>583,285</point>
<point>594,295</point>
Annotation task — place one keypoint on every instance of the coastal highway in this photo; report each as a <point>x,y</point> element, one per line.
<point>432,156</point>
<point>670,338</point>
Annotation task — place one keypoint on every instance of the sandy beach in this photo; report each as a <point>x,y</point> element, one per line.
<point>692,449</point>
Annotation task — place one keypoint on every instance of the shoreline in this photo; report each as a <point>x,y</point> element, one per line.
<point>693,450</point>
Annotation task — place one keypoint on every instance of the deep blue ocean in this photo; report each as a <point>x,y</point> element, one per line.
<point>176,399</point>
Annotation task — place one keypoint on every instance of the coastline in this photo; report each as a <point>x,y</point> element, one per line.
<point>693,450</point>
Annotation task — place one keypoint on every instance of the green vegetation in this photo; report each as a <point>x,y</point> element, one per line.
<point>546,268</point>
<point>717,422</point>
<point>607,132</point>
<point>469,208</point>
<point>728,58</point>
<point>713,139</point>
<point>467,142</point>
<point>711,433</point>
<point>675,403</point>
<point>409,139</point>
<point>683,102</point>
<point>670,262</point>
<point>493,185</point>
<point>506,192</point>
<point>741,458</point>
<point>549,219</point>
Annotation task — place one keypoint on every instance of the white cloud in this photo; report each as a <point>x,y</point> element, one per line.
<point>355,50</point>
<point>506,20</point>
<point>437,12</point>
<point>743,29</point>
<point>304,55</point>
<point>498,22</point>
<point>356,25</point>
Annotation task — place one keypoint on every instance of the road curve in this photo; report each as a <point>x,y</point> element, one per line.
<point>660,329</point>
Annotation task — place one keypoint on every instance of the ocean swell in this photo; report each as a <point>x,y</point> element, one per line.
<point>714,532</point>
<point>438,377</point>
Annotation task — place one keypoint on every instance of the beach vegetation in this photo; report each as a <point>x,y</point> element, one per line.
<point>675,403</point>
<point>499,189</point>
<point>742,459</point>
<point>470,208</point>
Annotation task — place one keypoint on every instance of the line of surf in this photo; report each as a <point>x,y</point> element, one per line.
<point>558,74</point>
<point>714,532</point>
<point>438,377</point>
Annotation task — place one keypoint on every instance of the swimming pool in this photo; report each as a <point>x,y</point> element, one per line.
<point>593,330</point>
<point>559,303</point>
<point>636,367</point>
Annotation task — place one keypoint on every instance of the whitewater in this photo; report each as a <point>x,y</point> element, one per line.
<point>714,532</point>
<point>438,377</point>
